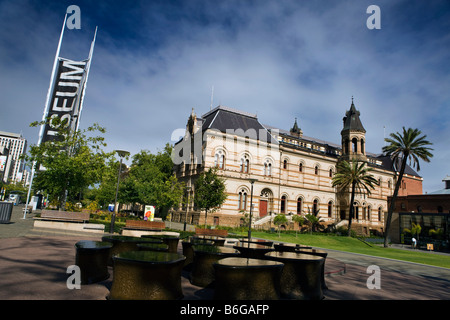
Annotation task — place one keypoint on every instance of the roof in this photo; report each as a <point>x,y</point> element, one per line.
<point>352,121</point>
<point>389,164</point>
<point>226,120</point>
<point>443,191</point>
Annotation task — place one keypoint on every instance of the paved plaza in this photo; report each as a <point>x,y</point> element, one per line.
<point>34,262</point>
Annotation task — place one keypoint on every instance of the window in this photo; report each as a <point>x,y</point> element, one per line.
<point>300,167</point>
<point>219,160</point>
<point>315,207</point>
<point>380,211</point>
<point>242,205</point>
<point>316,170</point>
<point>331,173</point>
<point>267,168</point>
<point>285,164</point>
<point>283,204</point>
<point>354,145</point>
<point>245,164</point>
<point>369,208</point>
<point>299,205</point>
<point>330,208</point>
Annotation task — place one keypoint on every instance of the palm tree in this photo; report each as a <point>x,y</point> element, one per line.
<point>402,147</point>
<point>355,175</point>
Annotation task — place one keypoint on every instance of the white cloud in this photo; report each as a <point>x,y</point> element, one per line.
<point>280,60</point>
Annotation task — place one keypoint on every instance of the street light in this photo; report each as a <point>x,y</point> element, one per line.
<point>252,181</point>
<point>188,190</point>
<point>122,154</point>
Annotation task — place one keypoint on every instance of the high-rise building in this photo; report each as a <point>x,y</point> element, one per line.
<point>17,146</point>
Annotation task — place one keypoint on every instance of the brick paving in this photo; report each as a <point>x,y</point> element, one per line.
<point>33,265</point>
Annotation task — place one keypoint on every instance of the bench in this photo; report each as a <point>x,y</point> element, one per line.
<point>211,232</point>
<point>145,225</point>
<point>66,220</point>
<point>137,228</point>
<point>64,216</point>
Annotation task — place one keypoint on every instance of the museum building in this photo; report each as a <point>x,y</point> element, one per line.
<point>281,171</point>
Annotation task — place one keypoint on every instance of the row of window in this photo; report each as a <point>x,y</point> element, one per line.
<point>244,165</point>
<point>366,211</point>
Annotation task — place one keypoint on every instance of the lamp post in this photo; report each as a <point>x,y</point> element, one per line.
<point>188,190</point>
<point>252,181</point>
<point>122,154</point>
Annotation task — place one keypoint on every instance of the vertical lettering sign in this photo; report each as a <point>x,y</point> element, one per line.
<point>66,96</point>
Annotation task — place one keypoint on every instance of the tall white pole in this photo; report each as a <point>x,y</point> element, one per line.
<point>91,52</point>
<point>46,108</point>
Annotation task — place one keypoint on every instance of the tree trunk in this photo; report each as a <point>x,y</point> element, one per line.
<point>350,215</point>
<point>206,215</point>
<point>394,198</point>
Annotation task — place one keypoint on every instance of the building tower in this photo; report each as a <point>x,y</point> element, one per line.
<point>353,136</point>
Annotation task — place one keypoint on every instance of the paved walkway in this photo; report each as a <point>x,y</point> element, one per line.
<point>33,265</point>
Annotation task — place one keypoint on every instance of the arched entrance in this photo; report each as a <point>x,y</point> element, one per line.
<point>265,202</point>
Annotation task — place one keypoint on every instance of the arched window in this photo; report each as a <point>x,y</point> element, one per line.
<point>316,170</point>
<point>285,164</point>
<point>242,204</point>
<point>300,167</point>
<point>267,168</point>
<point>354,145</point>
<point>356,211</point>
<point>244,165</point>
<point>362,146</point>
<point>315,207</point>
<point>380,212</point>
<point>330,208</point>
<point>331,173</point>
<point>219,160</point>
<point>299,205</point>
<point>369,208</point>
<point>283,204</point>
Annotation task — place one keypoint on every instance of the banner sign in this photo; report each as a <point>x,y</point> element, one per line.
<point>66,96</point>
<point>149,213</point>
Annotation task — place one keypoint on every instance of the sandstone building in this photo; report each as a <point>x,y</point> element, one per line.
<point>291,172</point>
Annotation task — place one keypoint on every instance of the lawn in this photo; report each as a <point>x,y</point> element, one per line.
<point>349,244</point>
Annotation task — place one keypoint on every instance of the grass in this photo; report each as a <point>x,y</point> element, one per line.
<point>354,245</point>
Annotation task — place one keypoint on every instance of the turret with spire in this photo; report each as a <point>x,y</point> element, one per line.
<point>353,135</point>
<point>295,130</point>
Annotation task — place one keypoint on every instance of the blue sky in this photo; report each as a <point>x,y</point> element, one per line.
<point>156,60</point>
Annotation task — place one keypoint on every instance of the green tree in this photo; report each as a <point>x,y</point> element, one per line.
<point>106,190</point>
<point>279,220</point>
<point>72,162</point>
<point>151,181</point>
<point>298,219</point>
<point>209,191</point>
<point>408,145</point>
<point>314,222</point>
<point>357,177</point>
